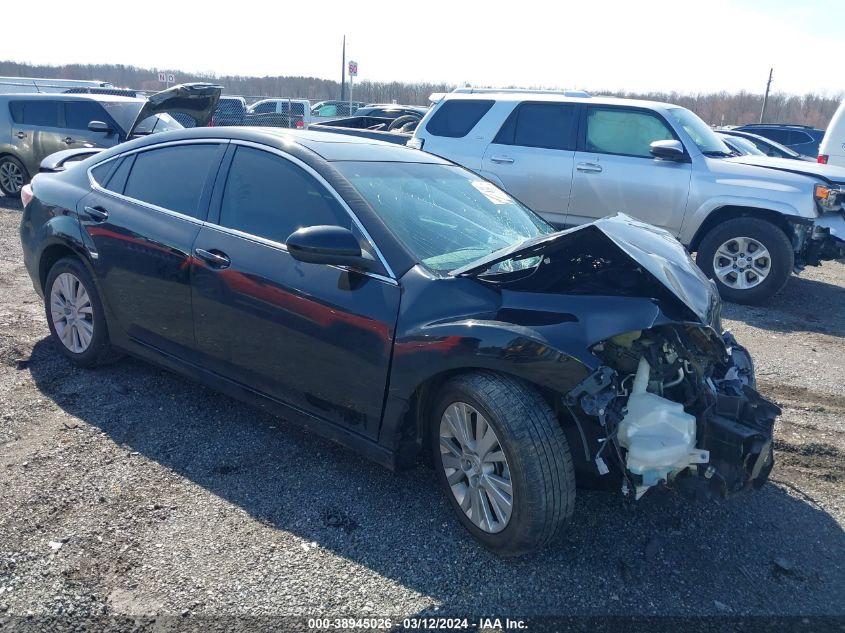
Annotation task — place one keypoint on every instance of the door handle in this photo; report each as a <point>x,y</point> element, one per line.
<point>21,135</point>
<point>215,258</point>
<point>590,168</point>
<point>98,214</point>
<point>69,140</point>
<point>501,159</point>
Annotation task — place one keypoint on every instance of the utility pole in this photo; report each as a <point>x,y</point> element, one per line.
<point>766,97</point>
<point>343,73</point>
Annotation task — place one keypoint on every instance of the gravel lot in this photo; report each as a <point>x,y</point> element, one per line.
<point>129,491</point>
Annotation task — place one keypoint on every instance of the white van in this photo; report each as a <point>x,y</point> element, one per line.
<point>832,148</point>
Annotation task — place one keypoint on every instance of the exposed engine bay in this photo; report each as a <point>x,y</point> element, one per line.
<point>676,401</point>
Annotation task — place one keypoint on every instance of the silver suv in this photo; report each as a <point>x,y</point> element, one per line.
<point>576,159</point>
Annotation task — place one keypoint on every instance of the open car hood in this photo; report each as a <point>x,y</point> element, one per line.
<point>197,100</point>
<point>654,250</point>
<point>829,173</point>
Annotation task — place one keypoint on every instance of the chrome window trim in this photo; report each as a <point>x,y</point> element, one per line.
<point>391,278</point>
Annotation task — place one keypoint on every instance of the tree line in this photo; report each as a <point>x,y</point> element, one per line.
<point>716,108</point>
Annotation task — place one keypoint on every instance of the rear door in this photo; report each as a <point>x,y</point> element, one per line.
<point>318,338</point>
<point>142,219</point>
<point>36,130</point>
<point>532,155</point>
<point>615,171</point>
<point>457,132</point>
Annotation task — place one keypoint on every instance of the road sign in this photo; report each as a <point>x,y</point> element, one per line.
<point>171,79</point>
<point>162,77</point>
<point>353,69</point>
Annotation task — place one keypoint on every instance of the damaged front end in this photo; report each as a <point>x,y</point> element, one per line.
<point>674,401</point>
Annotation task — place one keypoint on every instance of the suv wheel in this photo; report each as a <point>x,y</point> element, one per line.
<point>503,461</point>
<point>750,259</point>
<point>13,176</point>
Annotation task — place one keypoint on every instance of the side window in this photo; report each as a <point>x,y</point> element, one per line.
<point>264,108</point>
<point>796,137</point>
<point>547,125</point>
<point>41,112</point>
<point>781,136</point>
<point>172,177</point>
<point>456,117</point>
<point>103,171</point>
<point>626,132</point>
<point>78,114</point>
<point>268,196</point>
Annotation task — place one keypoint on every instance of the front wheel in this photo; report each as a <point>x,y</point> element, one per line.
<point>503,461</point>
<point>749,259</point>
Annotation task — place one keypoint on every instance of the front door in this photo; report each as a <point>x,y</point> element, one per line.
<point>78,114</point>
<point>36,130</point>
<point>532,155</point>
<point>141,223</point>
<point>316,337</point>
<point>616,173</point>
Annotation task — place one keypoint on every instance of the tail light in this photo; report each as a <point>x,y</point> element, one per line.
<point>26,195</point>
<point>300,124</point>
<point>822,159</point>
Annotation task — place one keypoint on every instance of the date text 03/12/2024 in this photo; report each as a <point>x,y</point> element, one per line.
<point>423,624</point>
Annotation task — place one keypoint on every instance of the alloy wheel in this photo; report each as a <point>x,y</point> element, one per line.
<point>742,263</point>
<point>72,313</point>
<point>476,467</point>
<point>11,176</point>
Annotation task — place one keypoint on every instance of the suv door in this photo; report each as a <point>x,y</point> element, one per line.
<point>140,221</point>
<point>532,156</point>
<point>318,338</point>
<point>77,115</point>
<point>36,130</point>
<point>615,171</point>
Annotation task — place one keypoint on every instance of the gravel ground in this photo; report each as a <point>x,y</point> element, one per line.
<point>128,491</point>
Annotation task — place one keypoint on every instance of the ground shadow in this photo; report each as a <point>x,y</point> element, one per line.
<point>804,305</point>
<point>665,555</point>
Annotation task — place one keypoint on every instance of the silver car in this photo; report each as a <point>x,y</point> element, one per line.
<point>576,159</point>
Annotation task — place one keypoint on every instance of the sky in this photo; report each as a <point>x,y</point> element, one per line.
<point>684,46</point>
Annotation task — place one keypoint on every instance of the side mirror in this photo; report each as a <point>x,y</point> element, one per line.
<point>331,245</point>
<point>99,126</point>
<point>667,150</point>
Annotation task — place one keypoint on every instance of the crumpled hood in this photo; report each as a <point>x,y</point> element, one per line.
<point>653,249</point>
<point>197,100</point>
<point>828,173</point>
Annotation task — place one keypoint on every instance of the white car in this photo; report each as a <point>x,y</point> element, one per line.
<point>832,148</point>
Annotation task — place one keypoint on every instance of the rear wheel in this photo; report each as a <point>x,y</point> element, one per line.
<point>13,176</point>
<point>75,314</point>
<point>749,259</point>
<point>503,460</point>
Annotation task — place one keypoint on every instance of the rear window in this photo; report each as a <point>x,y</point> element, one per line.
<point>457,117</point>
<point>42,112</point>
<point>545,125</point>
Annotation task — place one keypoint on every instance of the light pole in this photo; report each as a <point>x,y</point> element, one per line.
<point>766,96</point>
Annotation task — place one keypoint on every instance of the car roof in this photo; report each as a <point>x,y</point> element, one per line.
<point>541,96</point>
<point>327,145</point>
<point>73,97</point>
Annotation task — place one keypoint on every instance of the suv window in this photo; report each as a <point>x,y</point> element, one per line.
<point>268,196</point>
<point>172,177</point>
<point>41,112</point>
<point>547,125</point>
<point>623,131</point>
<point>456,117</point>
<point>78,114</point>
<point>781,136</point>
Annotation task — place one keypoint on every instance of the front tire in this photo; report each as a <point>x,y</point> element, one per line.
<point>503,461</point>
<point>75,314</point>
<point>13,176</point>
<point>749,259</point>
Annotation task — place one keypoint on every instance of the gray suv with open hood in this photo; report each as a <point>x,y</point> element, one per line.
<point>34,126</point>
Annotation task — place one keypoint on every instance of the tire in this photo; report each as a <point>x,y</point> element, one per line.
<point>13,176</point>
<point>536,460</point>
<point>401,121</point>
<point>89,345</point>
<point>736,234</point>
